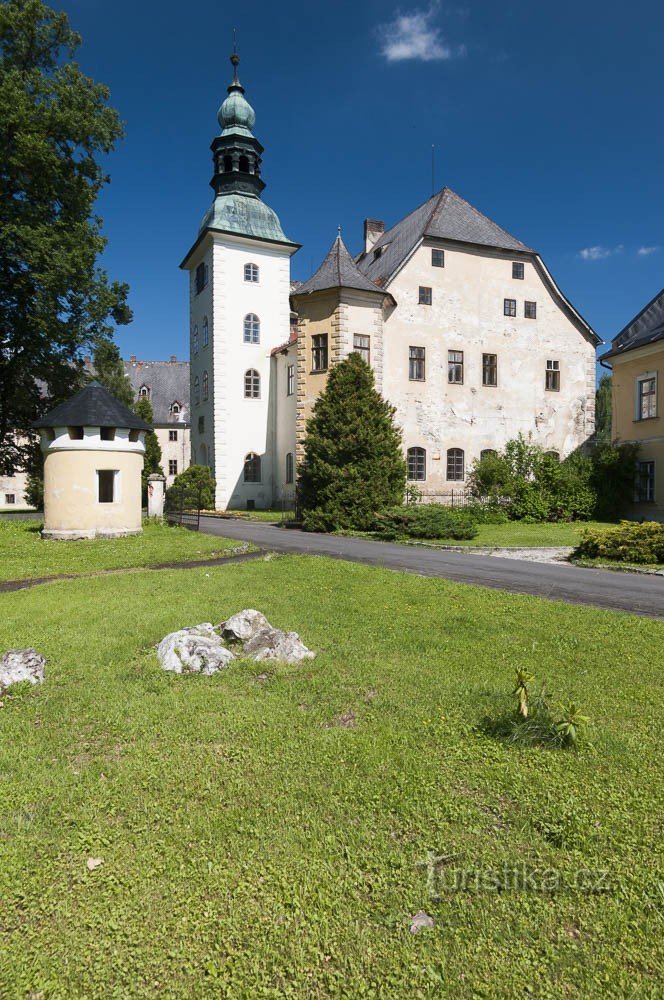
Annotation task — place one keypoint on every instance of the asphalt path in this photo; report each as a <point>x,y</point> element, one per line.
<point>637,593</point>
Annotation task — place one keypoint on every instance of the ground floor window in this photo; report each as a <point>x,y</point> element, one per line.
<point>10,498</point>
<point>106,485</point>
<point>455,463</point>
<point>289,467</point>
<point>645,483</point>
<point>172,467</point>
<point>252,468</point>
<point>417,464</point>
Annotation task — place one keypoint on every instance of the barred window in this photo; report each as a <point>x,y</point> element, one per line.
<point>416,364</point>
<point>290,380</point>
<point>530,310</point>
<point>417,464</point>
<point>438,258</point>
<point>489,369</point>
<point>647,398</point>
<point>252,468</point>
<point>455,367</point>
<point>289,467</point>
<point>251,272</point>
<point>455,463</point>
<point>425,295</point>
<point>509,307</point>
<point>517,270</point>
<point>319,352</point>
<point>252,329</point>
<point>206,385</point>
<point>552,383</point>
<point>252,384</point>
<point>362,346</point>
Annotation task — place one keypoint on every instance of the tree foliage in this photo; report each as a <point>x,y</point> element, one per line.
<point>353,464</point>
<point>55,300</point>
<point>152,458</point>
<point>192,488</point>
<point>109,371</point>
<point>603,410</point>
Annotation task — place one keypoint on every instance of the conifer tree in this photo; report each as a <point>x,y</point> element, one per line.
<point>353,466</point>
<point>109,371</point>
<point>152,459</point>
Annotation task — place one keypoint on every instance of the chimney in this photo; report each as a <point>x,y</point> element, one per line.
<point>132,359</point>
<point>373,230</point>
<point>174,358</point>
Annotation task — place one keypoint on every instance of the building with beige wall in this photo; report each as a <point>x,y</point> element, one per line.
<point>166,385</point>
<point>93,457</point>
<point>637,360</point>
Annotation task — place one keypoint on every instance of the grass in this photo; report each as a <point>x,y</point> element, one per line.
<point>25,554</point>
<point>515,534</point>
<point>264,836</point>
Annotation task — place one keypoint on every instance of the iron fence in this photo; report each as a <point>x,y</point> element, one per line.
<point>183,507</point>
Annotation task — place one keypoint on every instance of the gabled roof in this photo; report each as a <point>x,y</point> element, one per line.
<point>338,270</point>
<point>168,382</point>
<point>647,327</point>
<point>93,406</point>
<point>444,216</point>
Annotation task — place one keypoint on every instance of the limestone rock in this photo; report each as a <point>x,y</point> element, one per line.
<point>273,644</point>
<point>244,625</point>
<point>21,665</point>
<point>195,650</point>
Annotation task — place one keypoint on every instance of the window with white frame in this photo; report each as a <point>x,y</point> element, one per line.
<point>252,384</point>
<point>417,464</point>
<point>509,307</point>
<point>172,466</point>
<point>646,397</point>
<point>416,364</point>
<point>455,367</point>
<point>172,435</point>
<point>251,272</point>
<point>552,378</point>
<point>252,329</point>
<point>290,380</point>
<point>362,346</point>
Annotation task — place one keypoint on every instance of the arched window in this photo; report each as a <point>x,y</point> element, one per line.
<point>252,384</point>
<point>205,332</point>
<point>417,464</point>
<point>206,385</point>
<point>251,272</point>
<point>555,455</point>
<point>244,165</point>
<point>144,392</point>
<point>197,390</point>
<point>252,329</point>
<point>252,468</point>
<point>175,407</point>
<point>194,339</point>
<point>455,463</point>
<point>289,467</point>
<point>487,453</point>
<point>228,164</point>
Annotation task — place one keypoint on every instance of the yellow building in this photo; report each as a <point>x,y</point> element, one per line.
<point>637,360</point>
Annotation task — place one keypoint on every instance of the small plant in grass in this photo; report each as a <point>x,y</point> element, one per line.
<point>523,679</point>
<point>569,724</point>
<point>534,722</point>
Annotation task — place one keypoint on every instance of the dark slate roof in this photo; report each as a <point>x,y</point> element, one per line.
<point>444,216</point>
<point>646,328</point>
<point>168,382</point>
<point>338,270</point>
<point>93,406</point>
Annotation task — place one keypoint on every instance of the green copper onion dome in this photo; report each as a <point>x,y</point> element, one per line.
<point>236,113</point>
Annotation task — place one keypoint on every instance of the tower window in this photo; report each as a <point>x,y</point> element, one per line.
<point>289,467</point>
<point>244,165</point>
<point>197,390</point>
<point>107,433</point>
<point>75,433</point>
<point>252,468</point>
<point>206,385</point>
<point>194,339</point>
<point>517,270</point>
<point>252,384</point>
<point>455,367</point>
<point>206,332</point>
<point>228,164</point>
<point>416,364</point>
<point>509,307</point>
<point>489,369</point>
<point>106,485</point>
<point>252,329</point>
<point>530,310</point>
<point>438,258</point>
<point>201,427</point>
<point>319,352</point>
<point>455,463</point>
<point>290,380</point>
<point>201,277</point>
<point>417,464</point>
<point>251,272</point>
<point>552,382</point>
<point>425,295</point>
<point>362,346</point>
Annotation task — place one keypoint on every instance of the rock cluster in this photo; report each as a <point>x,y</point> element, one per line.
<point>21,665</point>
<point>204,649</point>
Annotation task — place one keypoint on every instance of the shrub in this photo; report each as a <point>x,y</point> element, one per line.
<point>425,521</point>
<point>627,542</point>
<point>192,488</point>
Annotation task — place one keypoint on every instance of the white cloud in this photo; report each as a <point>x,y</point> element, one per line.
<point>599,253</point>
<point>414,36</point>
<point>647,251</point>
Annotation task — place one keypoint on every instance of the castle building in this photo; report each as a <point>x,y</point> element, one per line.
<point>166,385</point>
<point>468,334</point>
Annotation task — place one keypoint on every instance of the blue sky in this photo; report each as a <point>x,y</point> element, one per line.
<point>547,117</point>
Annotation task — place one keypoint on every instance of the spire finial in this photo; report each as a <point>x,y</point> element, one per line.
<point>339,231</point>
<point>235,62</point>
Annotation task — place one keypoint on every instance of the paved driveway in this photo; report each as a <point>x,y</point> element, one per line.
<point>638,593</point>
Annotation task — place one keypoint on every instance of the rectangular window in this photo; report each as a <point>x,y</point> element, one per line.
<point>416,363</point>
<point>201,425</point>
<point>106,485</point>
<point>425,295</point>
<point>172,467</point>
<point>201,277</point>
<point>10,498</point>
<point>647,401</point>
<point>319,352</point>
<point>290,380</point>
<point>645,484</point>
<point>417,465</point>
<point>438,258</point>
<point>172,435</point>
<point>361,345</point>
<point>530,310</point>
<point>552,383</point>
<point>517,270</point>
<point>489,369</point>
<point>455,367</point>
<point>509,307</point>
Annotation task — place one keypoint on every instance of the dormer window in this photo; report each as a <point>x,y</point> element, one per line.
<point>144,392</point>
<point>175,407</point>
<point>377,252</point>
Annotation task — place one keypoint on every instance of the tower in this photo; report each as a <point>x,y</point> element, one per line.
<point>239,284</point>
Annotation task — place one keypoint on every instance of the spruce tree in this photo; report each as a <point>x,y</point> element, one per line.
<point>152,459</point>
<point>109,371</point>
<point>353,465</point>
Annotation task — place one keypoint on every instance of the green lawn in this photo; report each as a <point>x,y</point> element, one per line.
<point>515,534</point>
<point>24,553</point>
<point>264,836</point>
